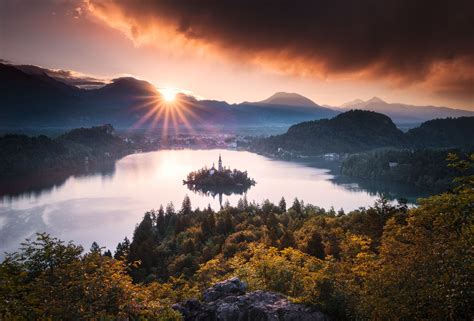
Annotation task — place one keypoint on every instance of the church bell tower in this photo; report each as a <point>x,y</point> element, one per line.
<point>220,168</point>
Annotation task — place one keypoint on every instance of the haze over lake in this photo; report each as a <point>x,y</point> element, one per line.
<point>105,207</point>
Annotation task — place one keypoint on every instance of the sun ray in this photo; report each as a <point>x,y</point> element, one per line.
<point>170,110</point>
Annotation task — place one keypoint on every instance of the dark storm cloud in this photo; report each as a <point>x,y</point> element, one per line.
<point>396,39</point>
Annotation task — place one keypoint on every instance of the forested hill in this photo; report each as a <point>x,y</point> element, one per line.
<point>351,131</point>
<point>358,130</point>
<point>442,133</point>
<point>20,154</point>
<point>424,168</point>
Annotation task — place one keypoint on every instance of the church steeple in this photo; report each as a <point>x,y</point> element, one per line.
<point>219,164</point>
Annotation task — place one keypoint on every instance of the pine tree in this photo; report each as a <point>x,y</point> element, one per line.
<point>186,206</point>
<point>212,222</point>
<point>282,204</point>
<point>160,221</point>
<point>297,206</point>
<point>95,248</point>
<point>315,245</point>
<point>205,228</point>
<point>122,250</point>
<point>170,209</point>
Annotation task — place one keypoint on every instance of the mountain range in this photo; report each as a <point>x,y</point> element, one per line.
<point>403,113</point>
<point>33,96</point>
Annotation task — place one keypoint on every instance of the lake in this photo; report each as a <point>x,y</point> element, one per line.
<point>105,206</point>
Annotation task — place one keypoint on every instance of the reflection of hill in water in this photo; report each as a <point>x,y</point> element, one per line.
<point>36,184</point>
<point>391,190</point>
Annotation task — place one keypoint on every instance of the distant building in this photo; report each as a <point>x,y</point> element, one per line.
<point>213,170</point>
<point>220,168</point>
<point>331,156</point>
<point>392,164</point>
<point>219,164</point>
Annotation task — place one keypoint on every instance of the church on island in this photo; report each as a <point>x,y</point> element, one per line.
<point>219,180</point>
<point>219,167</point>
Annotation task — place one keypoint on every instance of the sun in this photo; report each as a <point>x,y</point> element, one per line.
<point>168,108</point>
<point>168,94</point>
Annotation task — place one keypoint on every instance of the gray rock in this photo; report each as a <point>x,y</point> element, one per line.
<point>225,288</point>
<point>227,301</point>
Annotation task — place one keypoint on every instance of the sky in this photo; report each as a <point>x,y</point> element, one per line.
<point>417,52</point>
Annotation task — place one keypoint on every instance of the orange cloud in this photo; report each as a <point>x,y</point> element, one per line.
<point>403,42</point>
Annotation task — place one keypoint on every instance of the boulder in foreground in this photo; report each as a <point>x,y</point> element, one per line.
<point>228,301</point>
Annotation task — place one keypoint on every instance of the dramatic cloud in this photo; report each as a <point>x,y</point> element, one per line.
<point>402,41</point>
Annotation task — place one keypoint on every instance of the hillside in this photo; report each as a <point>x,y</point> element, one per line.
<point>28,99</point>
<point>73,151</point>
<point>427,169</point>
<point>443,133</point>
<point>346,133</point>
<point>357,131</point>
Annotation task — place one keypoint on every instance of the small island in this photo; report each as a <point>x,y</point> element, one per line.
<point>219,181</point>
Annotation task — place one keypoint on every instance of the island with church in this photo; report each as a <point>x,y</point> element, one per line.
<point>220,180</point>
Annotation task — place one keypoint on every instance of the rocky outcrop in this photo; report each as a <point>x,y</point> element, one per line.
<point>228,301</point>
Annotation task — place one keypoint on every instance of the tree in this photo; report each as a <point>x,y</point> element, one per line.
<point>95,248</point>
<point>224,224</point>
<point>267,206</point>
<point>170,209</point>
<point>50,280</point>
<point>282,205</point>
<point>208,223</point>
<point>240,204</point>
<point>205,228</point>
<point>297,206</point>
<point>186,206</point>
<point>142,247</point>
<point>160,221</point>
<point>425,265</point>
<point>122,250</point>
<point>315,245</point>
<point>211,221</point>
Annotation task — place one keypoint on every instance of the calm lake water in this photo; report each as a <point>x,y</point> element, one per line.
<point>105,206</point>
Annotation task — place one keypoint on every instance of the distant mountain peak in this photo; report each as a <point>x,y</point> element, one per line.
<point>289,99</point>
<point>353,102</point>
<point>130,83</point>
<point>376,100</point>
